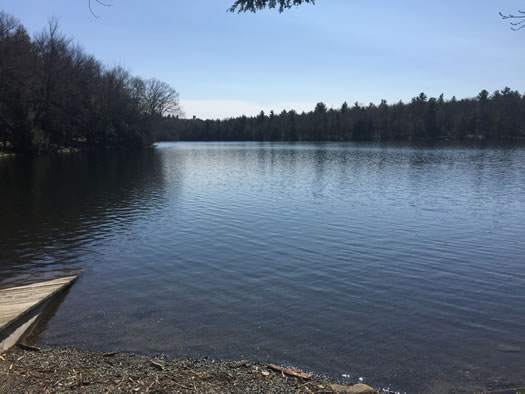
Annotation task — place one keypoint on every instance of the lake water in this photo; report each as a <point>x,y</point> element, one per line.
<point>402,265</point>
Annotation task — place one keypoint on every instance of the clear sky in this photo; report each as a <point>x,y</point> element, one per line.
<point>225,64</point>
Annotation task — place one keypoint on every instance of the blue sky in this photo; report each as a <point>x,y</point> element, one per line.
<point>225,64</point>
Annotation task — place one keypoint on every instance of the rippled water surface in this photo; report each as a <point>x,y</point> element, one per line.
<point>402,265</point>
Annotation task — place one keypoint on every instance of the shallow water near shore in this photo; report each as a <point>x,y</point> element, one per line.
<point>402,265</point>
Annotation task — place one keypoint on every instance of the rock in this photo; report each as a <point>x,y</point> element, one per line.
<point>355,389</point>
<point>508,349</point>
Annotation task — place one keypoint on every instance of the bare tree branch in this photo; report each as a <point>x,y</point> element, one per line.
<point>519,18</point>
<point>99,2</point>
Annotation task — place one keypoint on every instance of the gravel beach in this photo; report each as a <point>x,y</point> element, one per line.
<point>57,370</point>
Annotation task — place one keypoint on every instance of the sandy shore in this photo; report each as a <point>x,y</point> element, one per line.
<point>58,370</point>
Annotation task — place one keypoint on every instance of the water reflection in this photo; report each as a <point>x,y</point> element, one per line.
<point>400,264</point>
<point>55,207</point>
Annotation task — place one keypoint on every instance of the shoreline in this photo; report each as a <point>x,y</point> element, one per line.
<point>473,142</point>
<point>30,369</point>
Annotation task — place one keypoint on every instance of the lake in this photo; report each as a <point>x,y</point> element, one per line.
<point>403,265</point>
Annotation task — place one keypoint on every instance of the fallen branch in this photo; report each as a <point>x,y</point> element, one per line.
<point>291,371</point>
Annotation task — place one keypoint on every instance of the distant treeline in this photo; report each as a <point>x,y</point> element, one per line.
<point>54,95</point>
<point>496,116</point>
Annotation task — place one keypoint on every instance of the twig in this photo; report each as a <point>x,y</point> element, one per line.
<point>121,380</point>
<point>158,365</point>
<point>152,383</point>
<point>515,25</point>
<point>308,389</point>
<point>180,385</point>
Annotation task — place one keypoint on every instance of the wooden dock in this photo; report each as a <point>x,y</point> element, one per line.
<point>20,307</point>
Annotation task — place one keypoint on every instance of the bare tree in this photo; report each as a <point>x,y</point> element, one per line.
<point>8,24</point>
<point>517,20</point>
<point>160,98</point>
<point>52,48</point>
<point>254,5</point>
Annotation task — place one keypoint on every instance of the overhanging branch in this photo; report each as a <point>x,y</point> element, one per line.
<point>91,7</point>
<point>518,20</point>
<point>254,5</point>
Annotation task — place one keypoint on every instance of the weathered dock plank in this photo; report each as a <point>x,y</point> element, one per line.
<point>18,302</point>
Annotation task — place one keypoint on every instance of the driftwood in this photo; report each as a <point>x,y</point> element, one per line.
<point>157,364</point>
<point>238,364</point>
<point>291,371</point>
<point>109,354</point>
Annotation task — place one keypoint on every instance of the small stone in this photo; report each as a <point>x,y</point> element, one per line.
<point>265,373</point>
<point>355,389</point>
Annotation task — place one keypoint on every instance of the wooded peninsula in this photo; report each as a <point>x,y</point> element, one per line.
<point>53,95</point>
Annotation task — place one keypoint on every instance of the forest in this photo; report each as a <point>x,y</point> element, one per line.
<point>496,116</point>
<point>53,95</point>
